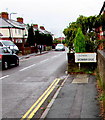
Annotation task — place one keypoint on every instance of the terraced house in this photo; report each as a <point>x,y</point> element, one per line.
<point>15,31</point>
<point>101,50</point>
<point>102,29</point>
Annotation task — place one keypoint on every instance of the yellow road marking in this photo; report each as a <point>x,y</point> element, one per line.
<point>39,105</point>
<point>40,98</point>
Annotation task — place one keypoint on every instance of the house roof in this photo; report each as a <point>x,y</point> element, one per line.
<point>42,31</point>
<point>102,9</point>
<point>8,23</point>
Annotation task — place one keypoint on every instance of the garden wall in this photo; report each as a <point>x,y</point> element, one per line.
<point>101,65</point>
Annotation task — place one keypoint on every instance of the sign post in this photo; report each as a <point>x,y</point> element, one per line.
<point>79,66</point>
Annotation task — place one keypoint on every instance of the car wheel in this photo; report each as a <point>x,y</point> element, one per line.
<point>5,65</point>
<point>17,62</point>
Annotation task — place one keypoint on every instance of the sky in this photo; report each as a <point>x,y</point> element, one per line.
<point>54,15</point>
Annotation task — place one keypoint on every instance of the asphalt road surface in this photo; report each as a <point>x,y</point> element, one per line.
<point>23,85</point>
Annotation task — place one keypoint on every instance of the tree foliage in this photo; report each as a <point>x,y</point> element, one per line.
<point>79,42</point>
<point>38,37</point>
<point>88,26</point>
<point>31,37</point>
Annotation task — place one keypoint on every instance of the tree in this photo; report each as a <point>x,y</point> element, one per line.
<point>79,42</point>
<point>70,33</point>
<point>88,26</point>
<point>31,37</point>
<point>49,40</point>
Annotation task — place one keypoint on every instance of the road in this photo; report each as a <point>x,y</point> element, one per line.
<point>23,85</point>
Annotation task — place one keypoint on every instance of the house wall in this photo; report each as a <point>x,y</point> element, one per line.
<point>17,35</point>
<point>5,32</point>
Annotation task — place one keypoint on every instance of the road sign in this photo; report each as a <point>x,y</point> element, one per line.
<point>85,57</point>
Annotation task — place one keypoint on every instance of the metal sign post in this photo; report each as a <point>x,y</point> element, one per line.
<point>79,66</point>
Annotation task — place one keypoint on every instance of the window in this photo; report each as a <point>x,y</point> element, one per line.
<point>19,31</point>
<point>15,31</point>
<point>1,44</point>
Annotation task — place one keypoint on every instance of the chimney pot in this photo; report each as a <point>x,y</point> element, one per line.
<point>4,15</point>
<point>42,27</point>
<point>19,19</point>
<point>35,26</point>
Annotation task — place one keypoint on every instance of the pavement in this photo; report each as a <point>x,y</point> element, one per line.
<point>77,98</point>
<point>32,54</point>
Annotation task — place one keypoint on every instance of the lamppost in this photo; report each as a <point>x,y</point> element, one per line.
<point>10,30</point>
<point>11,14</point>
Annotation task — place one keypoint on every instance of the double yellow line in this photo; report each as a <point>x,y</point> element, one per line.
<point>35,107</point>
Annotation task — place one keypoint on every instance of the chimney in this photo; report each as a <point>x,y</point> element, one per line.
<point>4,15</point>
<point>35,26</point>
<point>42,28</point>
<point>19,19</point>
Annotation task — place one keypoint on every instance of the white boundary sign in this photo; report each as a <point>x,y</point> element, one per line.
<point>85,57</point>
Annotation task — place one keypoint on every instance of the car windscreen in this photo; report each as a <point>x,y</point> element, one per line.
<point>8,43</point>
<point>59,45</point>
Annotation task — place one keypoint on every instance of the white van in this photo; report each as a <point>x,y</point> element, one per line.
<point>10,45</point>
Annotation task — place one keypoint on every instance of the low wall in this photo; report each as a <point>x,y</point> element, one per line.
<point>101,64</point>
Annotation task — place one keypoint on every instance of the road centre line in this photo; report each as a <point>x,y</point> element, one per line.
<point>39,63</point>
<point>4,77</point>
<point>34,108</point>
<point>56,56</point>
<point>27,67</point>
<point>33,65</point>
<point>44,60</point>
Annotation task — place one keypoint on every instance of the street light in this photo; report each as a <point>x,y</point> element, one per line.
<point>11,14</point>
<point>10,30</point>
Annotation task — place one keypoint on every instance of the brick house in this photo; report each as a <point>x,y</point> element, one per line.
<point>101,53</point>
<point>101,29</point>
<point>15,31</point>
<point>41,29</point>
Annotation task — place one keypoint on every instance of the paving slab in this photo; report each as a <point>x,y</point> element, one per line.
<point>82,78</point>
<point>76,99</point>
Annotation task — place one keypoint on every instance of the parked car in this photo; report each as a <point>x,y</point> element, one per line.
<point>10,45</point>
<point>60,47</point>
<point>8,58</point>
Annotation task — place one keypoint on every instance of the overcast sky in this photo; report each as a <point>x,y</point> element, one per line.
<point>54,15</point>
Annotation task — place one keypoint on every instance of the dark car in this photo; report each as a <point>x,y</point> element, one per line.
<point>7,58</point>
